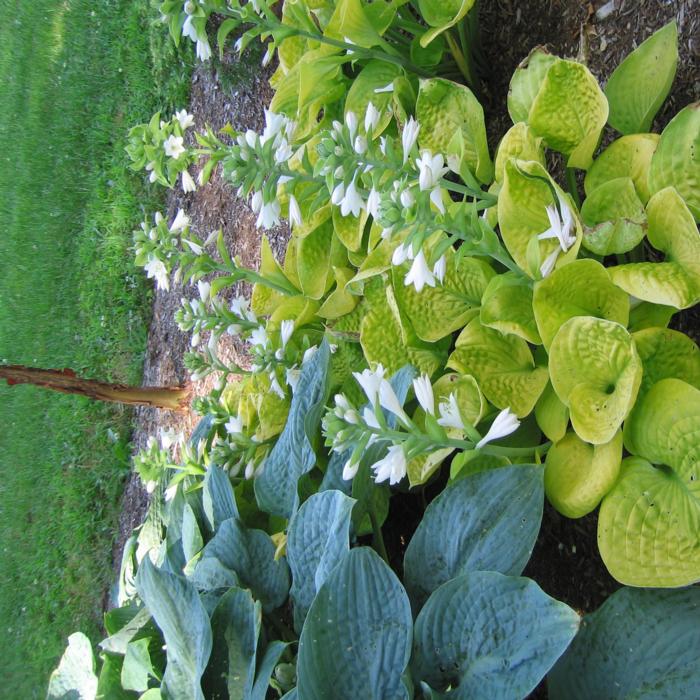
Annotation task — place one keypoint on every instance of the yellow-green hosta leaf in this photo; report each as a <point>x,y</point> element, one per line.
<point>519,142</point>
<point>354,21</point>
<point>299,308</point>
<point>502,365</point>
<point>640,84</point>
<point>647,315</point>
<point>676,162</point>
<point>569,112</point>
<point>615,218</point>
<point>265,300</point>
<point>551,414</point>
<point>290,262</point>
<point>349,229</point>
<point>387,338</point>
<point>577,475</point>
<point>474,462</point>
<point>671,229</point>
<point>628,156</point>
<point>441,15</point>
<point>526,83</point>
<point>471,402</point>
<point>292,48</point>
<point>595,371</point>
<point>444,109</point>
<point>582,288</point>
<point>258,400</point>
<point>522,214</point>
<point>339,302</point>
<point>316,256</point>
<point>435,312</point>
<point>506,306</point>
<point>421,468</point>
<point>667,353</point>
<point>376,263</point>
<point>375,75</point>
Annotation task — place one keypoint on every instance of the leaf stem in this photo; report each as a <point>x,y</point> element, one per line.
<point>378,537</point>
<point>572,186</point>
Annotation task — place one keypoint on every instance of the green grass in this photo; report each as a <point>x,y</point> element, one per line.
<point>76,74</point>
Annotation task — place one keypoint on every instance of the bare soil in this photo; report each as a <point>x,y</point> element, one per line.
<point>565,562</point>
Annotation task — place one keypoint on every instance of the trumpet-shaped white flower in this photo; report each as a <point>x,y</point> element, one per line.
<point>560,227</point>
<point>269,215</point>
<point>294,211</point>
<point>185,118</point>
<point>450,417</point>
<point>275,386</point>
<point>286,330</point>
<point>338,194</point>
<point>436,199</point>
<point>402,253</point>
<point>431,169</point>
<point>424,393</point>
<point>370,381</point>
<point>188,29</point>
<point>352,202</point>
<point>440,268</point>
<point>391,467</point>
<point>204,290</point>
<point>292,377</point>
<point>360,144</point>
<point>203,49</point>
<point>188,184</point>
<point>174,146</point>
<point>407,199</point>
<point>409,136</point>
<point>180,223</point>
<point>351,123</point>
<point>350,469</point>
<point>249,472</point>
<point>373,202</point>
<point>234,426</point>
<point>258,336</point>
<point>389,401</point>
<point>156,269</point>
<point>549,262</point>
<point>169,437</point>
<point>371,117</point>
<point>194,247</point>
<point>389,87</point>
<point>241,307</point>
<point>419,275</point>
<point>506,422</point>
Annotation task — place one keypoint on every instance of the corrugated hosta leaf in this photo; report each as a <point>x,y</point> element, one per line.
<point>596,372</point>
<point>356,640</point>
<point>577,475</point>
<point>485,521</point>
<point>638,644</point>
<point>317,539</point>
<point>218,499</point>
<point>486,635</point>
<point>582,288</point>
<point>441,15</point>
<point>520,143</point>
<point>526,82</point>
<point>507,307</point>
<point>502,365</point>
<point>649,524</point>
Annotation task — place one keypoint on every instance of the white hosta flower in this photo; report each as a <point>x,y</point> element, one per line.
<point>185,118</point>
<point>249,470</point>
<point>188,184</point>
<point>440,268</point>
<point>158,217</point>
<point>180,223</point>
<point>436,199</point>
<point>283,152</point>
<point>174,146</point>
<point>170,492</point>
<point>373,202</point>
<point>338,194</point>
<point>370,381</point>
<point>234,426</point>
<point>286,330</point>
<point>387,88</point>
<point>351,123</point>
<point>203,49</point>
<point>256,202</point>
<point>350,469</point>
<point>274,123</point>
<point>352,202</point>
<point>360,144</point>
<point>258,336</point>
<point>308,354</point>
<point>292,377</point>
<point>407,199</point>
<point>371,117</point>
<point>156,269</point>
<point>268,55</point>
<point>241,307</point>
<point>194,247</point>
<point>402,253</point>
<point>549,262</point>
<point>151,486</point>
<point>391,467</point>
<point>506,422</point>
<point>370,419</point>
<point>450,416</point>
<point>204,290</point>
<point>424,393</point>
<point>389,401</point>
<point>275,386</point>
<point>560,227</point>
<point>269,215</point>
<point>409,136</point>
<point>188,29</point>
<point>169,437</point>
<point>431,169</point>
<point>419,275</point>
<point>294,211</point>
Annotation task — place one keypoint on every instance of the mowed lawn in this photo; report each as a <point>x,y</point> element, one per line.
<point>74,76</point>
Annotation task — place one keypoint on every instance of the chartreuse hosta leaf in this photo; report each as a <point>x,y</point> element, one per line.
<point>628,156</point>
<point>445,108</point>
<point>667,353</point>
<point>75,676</point>
<point>519,142</point>
<point>676,281</point>
<point>317,539</point>
<point>507,307</point>
<point>502,365</point>
<point>435,312</point>
<point>551,414</point>
<point>640,84</point>
<point>264,300</point>
<point>486,521</point>
<point>440,15</point>
<point>316,256</point>
<point>596,372</point>
<point>387,338</point>
<point>501,655</point>
<point>647,315</point>
<point>356,640</point>
<point>562,103</point>
<point>638,644</point>
<point>577,475</point>
<point>358,23</point>
<point>181,616</point>
<point>676,162</point>
<point>349,229</point>
<point>339,302</point>
<point>527,191</point>
<point>582,288</point>
<point>649,524</point>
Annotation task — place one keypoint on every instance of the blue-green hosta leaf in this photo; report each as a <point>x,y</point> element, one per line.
<point>251,555</point>
<point>192,541</point>
<point>178,611</point>
<point>596,372</point>
<point>486,521</point>
<point>292,456</point>
<point>210,575</point>
<point>640,644</point>
<point>75,678</point>
<point>218,499</point>
<point>486,635</point>
<point>649,524</point>
<point>640,84</point>
<point>266,668</point>
<point>356,640</point>
<point>676,162</point>
<point>317,539</point>
<point>236,624</point>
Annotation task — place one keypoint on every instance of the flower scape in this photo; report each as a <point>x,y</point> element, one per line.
<point>444,318</point>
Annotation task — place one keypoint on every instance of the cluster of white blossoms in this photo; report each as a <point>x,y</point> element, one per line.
<point>194,27</point>
<point>561,227</point>
<point>243,449</point>
<point>267,357</point>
